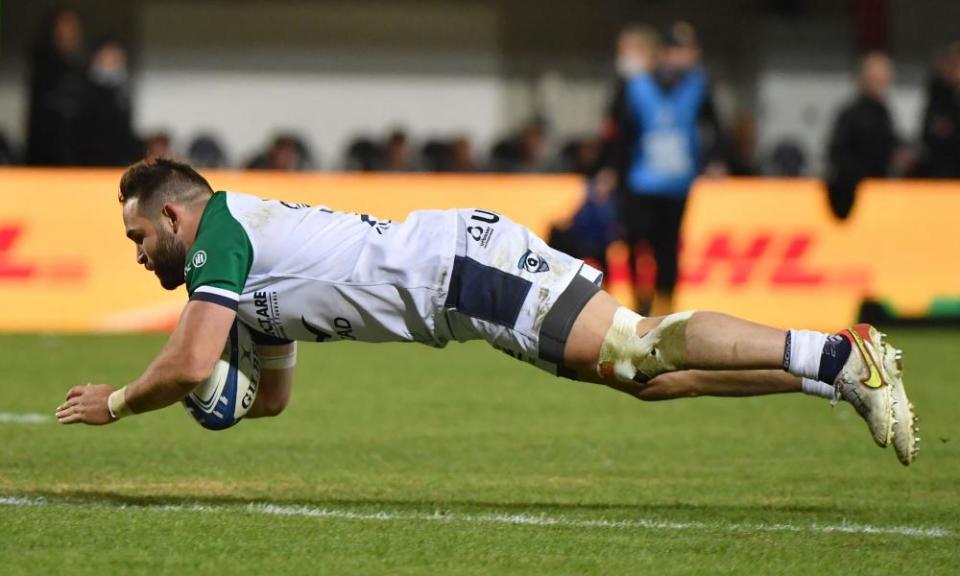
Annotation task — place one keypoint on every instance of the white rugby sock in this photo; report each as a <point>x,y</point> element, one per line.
<point>802,355</point>
<point>816,388</point>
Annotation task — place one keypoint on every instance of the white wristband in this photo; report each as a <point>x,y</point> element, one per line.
<point>117,404</point>
<point>279,362</point>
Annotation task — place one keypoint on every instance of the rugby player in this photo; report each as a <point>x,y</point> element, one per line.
<point>292,272</point>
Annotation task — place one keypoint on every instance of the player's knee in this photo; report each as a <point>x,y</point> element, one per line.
<point>639,349</point>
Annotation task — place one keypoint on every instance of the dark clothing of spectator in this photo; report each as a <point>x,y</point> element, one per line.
<point>58,91</point>
<point>590,232</point>
<point>941,131</point>
<point>654,223</point>
<point>862,145</point>
<point>107,136</point>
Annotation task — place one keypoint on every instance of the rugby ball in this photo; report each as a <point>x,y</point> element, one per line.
<point>228,394</point>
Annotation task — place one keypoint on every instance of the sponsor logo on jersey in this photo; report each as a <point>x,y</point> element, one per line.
<point>533,263</point>
<point>319,335</point>
<point>481,234</point>
<point>266,306</point>
<point>199,259</point>
<point>342,327</point>
<point>485,216</point>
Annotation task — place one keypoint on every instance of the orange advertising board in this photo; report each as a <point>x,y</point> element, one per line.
<point>770,250</point>
<point>764,249</point>
<point>65,264</point>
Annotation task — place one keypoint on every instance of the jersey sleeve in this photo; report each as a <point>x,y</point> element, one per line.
<point>219,262</point>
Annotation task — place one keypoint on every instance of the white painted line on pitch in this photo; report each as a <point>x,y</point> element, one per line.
<point>17,501</point>
<point>544,520</point>
<point>514,519</point>
<point>28,418</point>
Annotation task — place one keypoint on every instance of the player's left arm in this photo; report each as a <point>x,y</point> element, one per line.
<point>187,360</point>
<point>277,366</point>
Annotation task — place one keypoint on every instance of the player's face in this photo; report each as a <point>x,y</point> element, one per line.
<point>158,249</point>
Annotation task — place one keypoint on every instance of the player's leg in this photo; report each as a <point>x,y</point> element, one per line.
<point>703,340</point>
<point>543,306</point>
<point>618,346</point>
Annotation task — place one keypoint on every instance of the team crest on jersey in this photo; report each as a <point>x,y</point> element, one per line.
<point>532,263</point>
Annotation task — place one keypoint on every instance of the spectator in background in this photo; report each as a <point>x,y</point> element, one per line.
<point>524,151</point>
<point>664,131</point>
<point>461,155</point>
<point>206,151</point>
<point>107,137</point>
<point>287,152</point>
<point>864,142</point>
<point>398,153</point>
<point>787,159</point>
<point>744,145</point>
<point>363,155</point>
<point>593,226</point>
<point>532,147</point>
<point>57,91</point>
<point>941,120</point>
<point>637,47</point>
<point>8,155</point>
<point>584,157</point>
<point>157,145</point>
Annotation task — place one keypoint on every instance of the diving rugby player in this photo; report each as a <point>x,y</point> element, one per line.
<point>292,272</point>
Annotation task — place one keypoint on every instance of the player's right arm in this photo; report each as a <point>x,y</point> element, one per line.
<point>187,360</point>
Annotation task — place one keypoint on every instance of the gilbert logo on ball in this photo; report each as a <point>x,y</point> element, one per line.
<point>226,397</point>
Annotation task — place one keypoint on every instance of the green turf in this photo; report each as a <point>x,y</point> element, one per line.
<point>468,433</point>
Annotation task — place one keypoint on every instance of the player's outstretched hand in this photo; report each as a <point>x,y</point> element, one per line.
<point>86,404</point>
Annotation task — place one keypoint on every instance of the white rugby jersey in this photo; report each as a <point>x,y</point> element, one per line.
<point>296,272</point>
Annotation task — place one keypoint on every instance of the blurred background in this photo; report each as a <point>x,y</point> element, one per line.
<point>239,76</point>
<point>829,94</point>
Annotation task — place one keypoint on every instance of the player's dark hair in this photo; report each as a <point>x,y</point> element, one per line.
<point>156,181</point>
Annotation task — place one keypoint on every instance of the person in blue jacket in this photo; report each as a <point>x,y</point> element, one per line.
<point>662,132</point>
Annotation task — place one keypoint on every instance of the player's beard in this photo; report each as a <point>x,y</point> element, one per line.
<point>169,260</point>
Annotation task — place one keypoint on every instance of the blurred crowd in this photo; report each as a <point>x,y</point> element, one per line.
<point>80,114</point>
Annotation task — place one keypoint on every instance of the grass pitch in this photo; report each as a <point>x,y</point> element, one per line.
<point>405,460</point>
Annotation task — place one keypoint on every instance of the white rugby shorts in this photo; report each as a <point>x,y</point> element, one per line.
<point>509,288</point>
